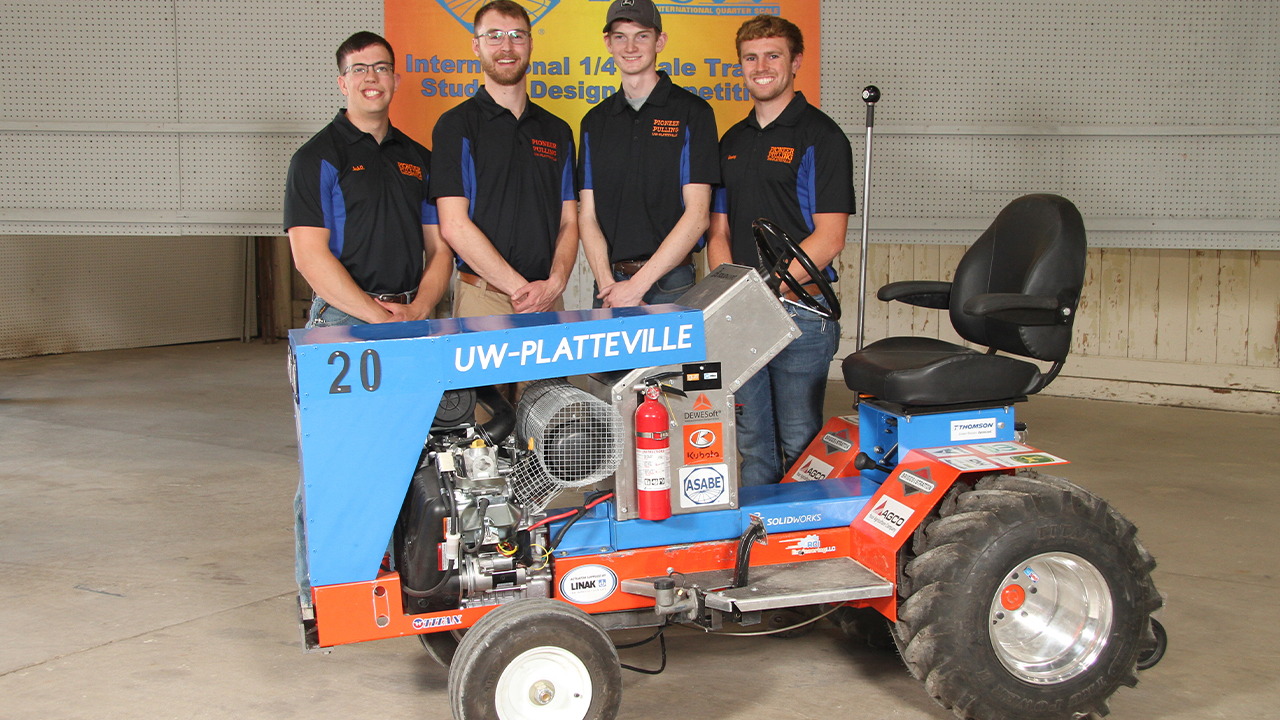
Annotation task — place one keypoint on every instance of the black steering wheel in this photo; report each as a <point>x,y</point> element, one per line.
<point>777,269</point>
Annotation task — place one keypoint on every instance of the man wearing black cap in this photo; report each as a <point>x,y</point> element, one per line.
<point>356,206</point>
<point>502,176</point>
<point>646,165</point>
<point>791,163</point>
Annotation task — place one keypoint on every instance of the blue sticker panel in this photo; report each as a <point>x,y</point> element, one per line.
<point>367,395</point>
<point>880,428</point>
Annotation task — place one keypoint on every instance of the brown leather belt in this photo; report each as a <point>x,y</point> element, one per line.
<point>403,298</point>
<point>631,267</point>
<point>478,281</point>
<point>811,288</point>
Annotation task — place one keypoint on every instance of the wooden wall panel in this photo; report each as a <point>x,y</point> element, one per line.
<point>901,267</point>
<point>1113,311</point>
<point>1144,302</point>
<point>1264,309</point>
<point>925,320</point>
<point>1085,331</point>
<point>1171,333</point>
<point>1233,307</point>
<point>1202,307</point>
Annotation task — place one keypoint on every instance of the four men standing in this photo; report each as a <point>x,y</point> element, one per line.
<point>502,176</point>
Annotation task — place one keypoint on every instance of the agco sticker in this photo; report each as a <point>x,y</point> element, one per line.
<point>704,485</point>
<point>888,516</point>
<point>588,584</point>
<point>812,469</point>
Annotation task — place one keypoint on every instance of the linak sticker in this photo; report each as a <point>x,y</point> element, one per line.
<point>812,469</point>
<point>704,485</point>
<point>588,584</point>
<point>703,443</point>
<point>702,410</point>
<point>888,516</point>
<point>837,442</point>
<point>809,545</point>
<point>975,429</point>
<point>917,481</point>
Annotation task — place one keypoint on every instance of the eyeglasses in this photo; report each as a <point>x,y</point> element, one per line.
<point>381,69</point>
<point>495,37</point>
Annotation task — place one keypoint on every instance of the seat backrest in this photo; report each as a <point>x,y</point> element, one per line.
<point>1036,246</point>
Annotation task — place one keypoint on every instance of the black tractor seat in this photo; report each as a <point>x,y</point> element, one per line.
<point>1015,290</point>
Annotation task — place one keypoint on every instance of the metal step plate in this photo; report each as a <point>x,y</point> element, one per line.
<point>811,582</point>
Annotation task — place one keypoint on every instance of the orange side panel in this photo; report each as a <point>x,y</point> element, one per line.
<point>360,611</point>
<point>830,455</point>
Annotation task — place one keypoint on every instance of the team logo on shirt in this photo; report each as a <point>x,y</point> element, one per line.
<point>781,154</point>
<point>666,128</point>
<point>357,168</point>
<point>544,149</point>
<point>410,170</point>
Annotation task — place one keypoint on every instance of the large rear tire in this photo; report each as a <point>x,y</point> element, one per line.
<point>1030,597</point>
<point>533,660</point>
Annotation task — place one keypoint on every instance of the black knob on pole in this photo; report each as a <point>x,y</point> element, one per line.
<point>870,94</point>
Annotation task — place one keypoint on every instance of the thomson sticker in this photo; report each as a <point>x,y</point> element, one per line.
<point>975,429</point>
<point>812,469</point>
<point>704,485</point>
<point>888,516</point>
<point>441,621</point>
<point>588,584</point>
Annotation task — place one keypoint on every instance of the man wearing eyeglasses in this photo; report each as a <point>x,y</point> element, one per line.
<point>362,230</point>
<point>502,177</point>
<point>789,162</point>
<point>356,206</point>
<point>648,159</point>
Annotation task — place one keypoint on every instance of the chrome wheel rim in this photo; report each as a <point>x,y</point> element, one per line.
<point>1050,618</point>
<point>544,683</point>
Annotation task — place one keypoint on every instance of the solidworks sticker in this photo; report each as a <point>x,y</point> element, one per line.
<point>975,429</point>
<point>888,516</point>
<point>588,584</point>
<point>809,545</point>
<point>812,469</point>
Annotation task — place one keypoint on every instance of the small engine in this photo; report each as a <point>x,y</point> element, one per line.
<point>471,531</point>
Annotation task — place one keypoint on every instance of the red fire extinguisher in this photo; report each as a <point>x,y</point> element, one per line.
<point>653,456</point>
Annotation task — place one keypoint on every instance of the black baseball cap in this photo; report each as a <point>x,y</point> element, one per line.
<point>641,12</point>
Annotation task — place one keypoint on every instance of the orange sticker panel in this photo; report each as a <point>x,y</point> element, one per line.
<point>703,443</point>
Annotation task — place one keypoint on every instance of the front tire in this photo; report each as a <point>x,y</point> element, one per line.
<point>1030,597</point>
<point>534,660</point>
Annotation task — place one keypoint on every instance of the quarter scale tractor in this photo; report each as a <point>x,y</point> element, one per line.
<point>1010,592</point>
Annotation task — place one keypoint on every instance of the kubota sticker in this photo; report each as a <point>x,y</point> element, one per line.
<point>703,443</point>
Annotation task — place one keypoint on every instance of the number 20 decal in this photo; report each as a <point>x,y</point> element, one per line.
<point>370,371</point>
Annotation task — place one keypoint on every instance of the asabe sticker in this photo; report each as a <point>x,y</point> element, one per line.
<point>888,516</point>
<point>812,469</point>
<point>809,545</point>
<point>704,485</point>
<point>975,429</point>
<point>588,584</point>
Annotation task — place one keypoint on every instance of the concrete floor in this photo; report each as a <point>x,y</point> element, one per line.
<point>146,561</point>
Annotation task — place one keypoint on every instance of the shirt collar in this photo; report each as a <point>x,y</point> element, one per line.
<point>657,96</point>
<point>353,134</point>
<point>790,116</point>
<point>491,107</point>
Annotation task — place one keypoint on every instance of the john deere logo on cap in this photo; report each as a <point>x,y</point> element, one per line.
<point>627,3</point>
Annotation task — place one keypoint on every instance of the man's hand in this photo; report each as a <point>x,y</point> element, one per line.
<point>626,293</point>
<point>537,296</point>
<point>403,313</point>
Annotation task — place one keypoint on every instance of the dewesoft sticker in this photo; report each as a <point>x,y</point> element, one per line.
<point>588,584</point>
<point>888,516</point>
<point>704,485</point>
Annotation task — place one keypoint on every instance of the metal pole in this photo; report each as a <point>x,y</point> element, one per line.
<point>870,94</point>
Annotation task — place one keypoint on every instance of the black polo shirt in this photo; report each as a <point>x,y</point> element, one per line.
<point>638,162</point>
<point>516,173</point>
<point>798,166</point>
<point>370,196</point>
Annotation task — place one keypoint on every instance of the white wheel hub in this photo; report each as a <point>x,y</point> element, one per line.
<point>1050,618</point>
<point>545,682</point>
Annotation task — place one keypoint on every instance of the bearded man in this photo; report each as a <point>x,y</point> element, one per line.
<point>502,177</point>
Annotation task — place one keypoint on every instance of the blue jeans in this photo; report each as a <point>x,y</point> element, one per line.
<point>782,403</point>
<point>667,289</point>
<point>322,315</point>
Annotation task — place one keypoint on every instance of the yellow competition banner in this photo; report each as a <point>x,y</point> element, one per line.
<point>571,70</point>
